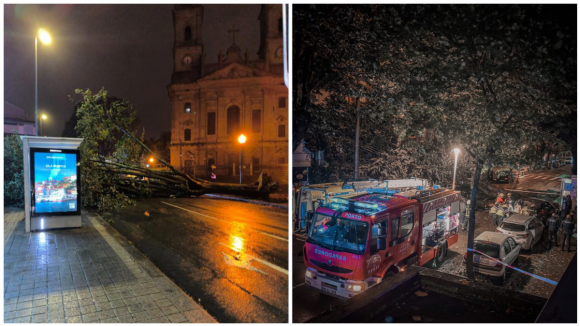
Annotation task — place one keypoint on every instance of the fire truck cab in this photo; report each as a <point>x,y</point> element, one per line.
<point>354,243</point>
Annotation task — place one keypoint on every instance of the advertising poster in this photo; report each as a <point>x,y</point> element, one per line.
<point>55,182</point>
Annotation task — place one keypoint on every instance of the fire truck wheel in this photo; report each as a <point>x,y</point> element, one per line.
<point>441,255</point>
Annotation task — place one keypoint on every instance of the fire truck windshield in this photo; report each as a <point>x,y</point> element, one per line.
<point>339,234</point>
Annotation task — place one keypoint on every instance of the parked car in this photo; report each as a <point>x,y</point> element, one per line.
<point>526,230</point>
<point>496,245</point>
<point>504,176</point>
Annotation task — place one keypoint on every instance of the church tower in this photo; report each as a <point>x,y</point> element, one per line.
<point>271,49</point>
<point>187,45</point>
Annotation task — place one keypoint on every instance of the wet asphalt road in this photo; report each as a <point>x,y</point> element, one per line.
<point>306,302</point>
<point>230,256</point>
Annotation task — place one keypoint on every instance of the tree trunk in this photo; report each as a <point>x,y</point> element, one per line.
<point>471,232</point>
<point>356,141</point>
<point>574,151</point>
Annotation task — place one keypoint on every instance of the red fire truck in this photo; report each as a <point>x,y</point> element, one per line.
<point>356,242</point>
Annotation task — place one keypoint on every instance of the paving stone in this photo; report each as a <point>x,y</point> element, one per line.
<point>169,310</point>
<point>74,319</point>
<point>110,320</point>
<point>40,318</point>
<point>154,313</point>
<point>141,317</point>
<point>177,318</point>
<point>90,318</point>
<point>122,311</point>
<point>40,310</point>
<point>107,314</point>
<point>161,320</point>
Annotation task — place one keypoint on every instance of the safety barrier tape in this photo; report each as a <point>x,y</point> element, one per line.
<point>517,269</point>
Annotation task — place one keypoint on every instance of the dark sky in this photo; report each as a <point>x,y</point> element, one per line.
<point>127,49</point>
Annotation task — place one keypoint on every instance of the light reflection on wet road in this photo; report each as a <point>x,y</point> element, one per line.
<point>231,257</point>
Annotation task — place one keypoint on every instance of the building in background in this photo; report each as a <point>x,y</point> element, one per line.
<point>16,121</point>
<point>213,103</point>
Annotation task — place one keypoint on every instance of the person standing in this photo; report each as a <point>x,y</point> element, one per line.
<point>466,212</point>
<point>567,230</point>
<point>500,198</point>
<point>568,204</point>
<point>553,226</point>
<point>493,212</point>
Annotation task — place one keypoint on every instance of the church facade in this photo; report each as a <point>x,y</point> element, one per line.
<point>212,104</point>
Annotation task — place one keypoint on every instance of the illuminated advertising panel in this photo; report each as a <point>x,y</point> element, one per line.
<point>55,180</point>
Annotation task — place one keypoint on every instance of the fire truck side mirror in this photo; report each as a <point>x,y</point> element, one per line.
<point>382,239</point>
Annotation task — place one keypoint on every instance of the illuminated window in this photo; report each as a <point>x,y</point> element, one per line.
<point>187,107</point>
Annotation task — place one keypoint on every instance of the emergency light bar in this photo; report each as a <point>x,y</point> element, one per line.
<point>366,205</point>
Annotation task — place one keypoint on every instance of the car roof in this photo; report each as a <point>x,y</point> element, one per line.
<point>518,219</point>
<point>495,237</point>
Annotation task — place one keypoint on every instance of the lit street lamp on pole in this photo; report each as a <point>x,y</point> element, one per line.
<point>456,150</point>
<point>45,39</point>
<point>42,118</point>
<point>241,140</point>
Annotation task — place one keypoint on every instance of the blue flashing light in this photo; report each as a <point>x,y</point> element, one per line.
<point>366,205</point>
<point>436,186</point>
<point>340,201</point>
<point>419,188</point>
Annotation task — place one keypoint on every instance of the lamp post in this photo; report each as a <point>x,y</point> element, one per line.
<point>46,39</point>
<point>241,140</point>
<point>42,117</point>
<point>456,150</point>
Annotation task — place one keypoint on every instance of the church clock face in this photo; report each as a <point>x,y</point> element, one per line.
<point>187,60</point>
<point>279,52</point>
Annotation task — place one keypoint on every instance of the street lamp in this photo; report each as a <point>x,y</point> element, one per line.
<point>45,39</point>
<point>42,118</point>
<point>241,140</point>
<point>456,150</point>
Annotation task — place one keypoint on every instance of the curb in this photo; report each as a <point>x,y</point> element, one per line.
<point>198,315</point>
<point>258,202</point>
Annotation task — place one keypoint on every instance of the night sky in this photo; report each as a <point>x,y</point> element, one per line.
<point>127,49</point>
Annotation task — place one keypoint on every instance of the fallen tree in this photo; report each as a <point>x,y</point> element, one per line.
<point>114,178</point>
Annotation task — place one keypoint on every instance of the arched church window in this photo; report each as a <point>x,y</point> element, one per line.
<point>188,33</point>
<point>187,107</point>
<point>233,119</point>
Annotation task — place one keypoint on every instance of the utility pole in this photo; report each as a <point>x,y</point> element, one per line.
<point>471,231</point>
<point>356,142</point>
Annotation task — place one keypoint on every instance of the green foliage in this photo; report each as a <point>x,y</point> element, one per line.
<point>497,81</point>
<point>97,124</point>
<point>13,171</point>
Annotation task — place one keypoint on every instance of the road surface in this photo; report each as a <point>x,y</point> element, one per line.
<point>230,256</point>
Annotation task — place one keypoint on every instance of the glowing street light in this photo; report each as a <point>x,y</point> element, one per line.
<point>45,39</point>
<point>456,150</point>
<point>44,36</point>
<point>241,140</point>
<point>151,160</point>
<point>43,117</point>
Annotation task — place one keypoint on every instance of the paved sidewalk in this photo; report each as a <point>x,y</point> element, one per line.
<point>89,275</point>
